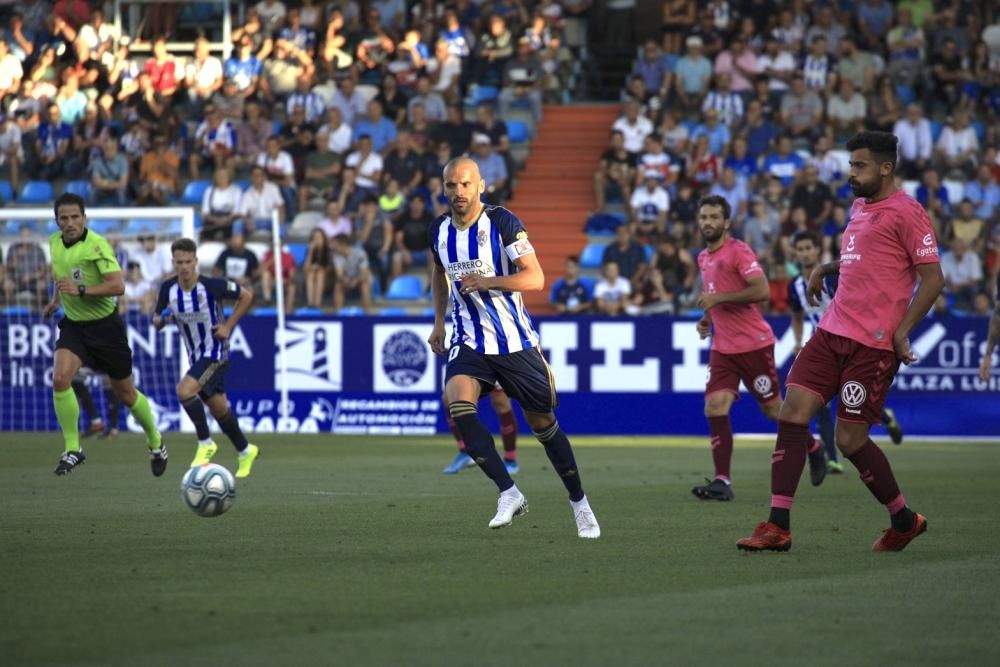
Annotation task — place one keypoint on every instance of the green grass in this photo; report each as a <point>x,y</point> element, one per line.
<point>358,551</point>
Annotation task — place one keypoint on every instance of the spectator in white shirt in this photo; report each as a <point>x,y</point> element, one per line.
<point>154,259</point>
<point>634,128</point>
<point>203,75</point>
<point>259,202</point>
<point>219,206</point>
<point>336,134</point>
<point>650,205</point>
<point>335,221</point>
<point>958,146</point>
<point>612,291</point>
<point>280,170</point>
<point>444,70</point>
<point>915,144</point>
<point>778,63</point>
<point>846,111</point>
<point>364,170</point>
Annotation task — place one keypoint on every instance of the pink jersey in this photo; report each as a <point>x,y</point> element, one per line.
<point>883,244</point>
<point>736,327</point>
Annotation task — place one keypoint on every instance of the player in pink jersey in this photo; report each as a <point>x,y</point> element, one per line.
<point>889,245</point>
<point>742,342</point>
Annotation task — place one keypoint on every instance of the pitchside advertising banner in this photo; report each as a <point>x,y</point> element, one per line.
<point>379,376</point>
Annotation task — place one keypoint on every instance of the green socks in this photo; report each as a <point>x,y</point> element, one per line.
<point>68,414</point>
<point>140,410</point>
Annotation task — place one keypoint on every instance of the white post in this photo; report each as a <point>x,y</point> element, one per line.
<point>279,299</point>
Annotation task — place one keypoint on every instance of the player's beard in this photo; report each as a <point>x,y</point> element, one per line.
<point>713,235</point>
<point>864,191</point>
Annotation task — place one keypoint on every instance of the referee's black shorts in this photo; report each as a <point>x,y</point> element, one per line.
<point>524,375</point>
<point>101,344</point>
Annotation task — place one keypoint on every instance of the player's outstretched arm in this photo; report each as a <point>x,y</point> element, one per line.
<point>439,296</point>
<point>931,284</point>
<point>529,278</point>
<point>243,303</point>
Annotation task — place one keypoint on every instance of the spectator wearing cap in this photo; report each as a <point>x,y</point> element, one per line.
<point>203,75</point>
<point>11,150</point>
<point>214,142</point>
<point>259,202</point>
<point>693,73</point>
<point>491,167</point>
<point>109,175</point>
<point>220,206</point>
<point>523,78</point>
<point>649,205</point>
<point>380,130</point>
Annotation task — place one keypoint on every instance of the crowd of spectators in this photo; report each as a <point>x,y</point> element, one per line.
<point>349,108</point>
<point>753,100</point>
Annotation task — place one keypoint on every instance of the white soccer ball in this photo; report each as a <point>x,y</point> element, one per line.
<point>208,490</point>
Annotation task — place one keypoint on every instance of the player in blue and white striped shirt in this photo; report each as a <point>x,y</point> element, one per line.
<point>484,251</point>
<point>194,303</point>
<point>807,247</point>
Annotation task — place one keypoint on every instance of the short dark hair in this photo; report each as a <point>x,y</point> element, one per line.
<point>183,245</point>
<point>881,144</point>
<point>69,199</point>
<point>807,235</point>
<point>573,258</point>
<point>716,200</point>
<point>342,239</point>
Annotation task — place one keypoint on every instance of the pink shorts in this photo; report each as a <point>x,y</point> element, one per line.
<point>830,364</point>
<point>754,368</point>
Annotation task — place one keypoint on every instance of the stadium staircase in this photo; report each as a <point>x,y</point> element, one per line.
<point>554,193</point>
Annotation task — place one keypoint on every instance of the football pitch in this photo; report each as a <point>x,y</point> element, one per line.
<point>359,551</point>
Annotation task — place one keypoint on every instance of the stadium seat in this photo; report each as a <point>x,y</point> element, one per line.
<point>308,311</point>
<point>592,256</point>
<point>298,251</point>
<point>242,183</point>
<point>956,191</point>
<point>367,91</point>
<point>15,310</point>
<point>649,250</point>
<point>81,188</point>
<point>6,192</point>
<point>483,94</point>
<point>351,311</point>
<point>405,288</point>
<point>36,192</point>
<point>428,312</point>
<point>265,310</point>
<point>194,192</point>
<point>980,129</point>
<point>394,312</point>
<point>517,131</point>
<point>304,223</point>
<point>174,227</point>
<point>104,227</point>
<point>906,94</point>
<point>276,127</point>
<point>604,224</point>
<point>143,226</point>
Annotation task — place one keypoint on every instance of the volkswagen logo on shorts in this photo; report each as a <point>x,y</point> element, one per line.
<point>762,385</point>
<point>853,394</point>
<point>404,358</point>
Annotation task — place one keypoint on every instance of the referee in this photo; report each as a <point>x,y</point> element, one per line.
<point>87,280</point>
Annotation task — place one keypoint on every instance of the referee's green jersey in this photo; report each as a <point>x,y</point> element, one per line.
<point>85,262</point>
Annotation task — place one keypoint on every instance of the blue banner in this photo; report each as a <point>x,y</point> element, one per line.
<point>616,376</point>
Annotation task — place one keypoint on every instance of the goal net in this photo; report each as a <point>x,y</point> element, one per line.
<point>141,238</point>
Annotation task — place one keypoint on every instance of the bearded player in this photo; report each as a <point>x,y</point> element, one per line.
<point>889,248</point>
<point>742,343</point>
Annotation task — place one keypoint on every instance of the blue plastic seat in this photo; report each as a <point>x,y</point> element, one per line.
<point>6,192</point>
<point>142,226</point>
<point>298,251</point>
<point>351,311</point>
<point>15,310</point>
<point>265,310</point>
<point>405,288</point>
<point>588,284</point>
<point>428,312</point>
<point>484,94</point>
<point>103,227</point>
<point>592,256</point>
<point>242,183</point>
<point>394,312</point>
<point>517,131</point>
<point>194,192</point>
<point>604,223</point>
<point>936,127</point>
<point>308,311</point>
<point>37,192</point>
<point>81,188</point>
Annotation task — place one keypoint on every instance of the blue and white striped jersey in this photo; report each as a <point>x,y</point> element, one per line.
<point>798,299</point>
<point>196,312</point>
<point>489,321</point>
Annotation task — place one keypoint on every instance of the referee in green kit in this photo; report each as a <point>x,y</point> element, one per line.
<point>92,334</point>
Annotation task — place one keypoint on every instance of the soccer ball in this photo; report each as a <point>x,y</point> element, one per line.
<point>208,490</point>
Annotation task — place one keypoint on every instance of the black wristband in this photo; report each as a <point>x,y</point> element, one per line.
<point>82,289</point>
